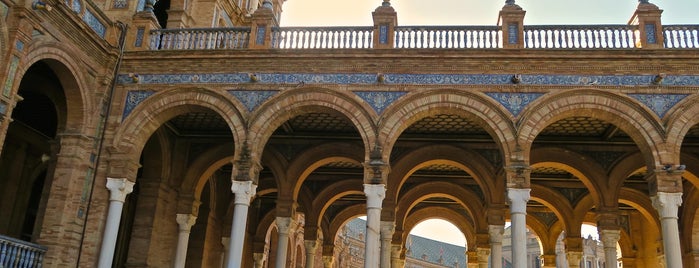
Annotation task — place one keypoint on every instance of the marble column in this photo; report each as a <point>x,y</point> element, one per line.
<point>483,256</point>
<point>496,232</point>
<point>375,194</point>
<point>185,221</point>
<point>667,205</point>
<point>328,261</point>
<point>244,192</point>
<point>226,242</point>
<point>396,261</point>
<point>574,258</point>
<point>118,189</point>
<point>387,228</point>
<point>610,238</point>
<point>518,214</point>
<point>284,225</point>
<point>311,249</point>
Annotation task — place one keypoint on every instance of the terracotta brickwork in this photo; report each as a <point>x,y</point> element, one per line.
<point>595,134</point>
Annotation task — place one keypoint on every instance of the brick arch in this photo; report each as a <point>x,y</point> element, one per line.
<point>163,106</point>
<point>641,202</point>
<point>341,218</point>
<point>689,222</point>
<point>442,213</point>
<point>316,157</point>
<point>80,107</point>
<point>203,167</point>
<point>555,201</point>
<point>588,172</point>
<point>466,198</point>
<point>273,113</point>
<point>539,229</point>
<point>262,231</point>
<point>466,160</point>
<point>622,169</point>
<point>325,199</point>
<point>678,122</point>
<point>627,114</point>
<point>473,105</point>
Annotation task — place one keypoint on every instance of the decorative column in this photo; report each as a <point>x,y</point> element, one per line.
<point>387,229</point>
<point>185,221</point>
<point>667,205</point>
<point>574,258</point>
<point>118,189</point>
<point>610,238</point>
<point>483,256</point>
<point>226,242</point>
<point>396,261</point>
<point>311,248</point>
<point>518,213</point>
<point>496,232</point>
<point>284,224</point>
<point>375,194</point>
<point>244,192</point>
<point>328,261</point>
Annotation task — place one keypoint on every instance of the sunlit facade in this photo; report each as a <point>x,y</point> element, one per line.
<point>188,133</point>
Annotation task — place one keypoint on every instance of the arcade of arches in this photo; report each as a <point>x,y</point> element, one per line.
<point>129,157</point>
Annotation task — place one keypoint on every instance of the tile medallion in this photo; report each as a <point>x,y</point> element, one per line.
<point>133,99</point>
<point>379,100</point>
<point>252,99</point>
<point>659,103</point>
<point>514,102</point>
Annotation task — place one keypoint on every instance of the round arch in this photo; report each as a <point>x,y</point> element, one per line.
<point>442,213</point>
<point>163,106</point>
<point>474,105</point>
<point>679,120</point>
<point>204,167</point>
<point>326,198</point>
<point>555,201</point>
<point>285,105</point>
<point>627,114</point>
<point>341,218</point>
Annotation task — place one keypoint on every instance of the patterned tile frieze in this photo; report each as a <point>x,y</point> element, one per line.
<point>514,102</point>
<point>252,99</point>
<point>133,99</point>
<point>417,79</point>
<point>379,100</point>
<point>659,103</point>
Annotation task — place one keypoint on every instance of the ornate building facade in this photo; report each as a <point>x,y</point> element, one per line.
<point>200,134</point>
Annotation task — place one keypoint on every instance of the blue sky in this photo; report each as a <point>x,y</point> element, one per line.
<point>479,12</point>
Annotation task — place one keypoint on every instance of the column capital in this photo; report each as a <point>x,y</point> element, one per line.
<point>284,224</point>
<point>610,237</point>
<point>496,233</point>
<point>667,204</point>
<point>574,258</point>
<point>483,254</point>
<point>375,193</point>
<point>311,245</point>
<point>328,261</point>
<point>185,221</point>
<point>387,229</point>
<point>119,188</point>
<point>244,191</point>
<point>518,198</point>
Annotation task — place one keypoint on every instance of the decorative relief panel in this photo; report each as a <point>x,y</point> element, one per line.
<point>514,102</point>
<point>659,103</point>
<point>379,100</point>
<point>133,99</point>
<point>252,99</point>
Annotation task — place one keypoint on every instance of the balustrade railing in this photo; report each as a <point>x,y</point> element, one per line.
<point>448,37</point>
<point>198,38</point>
<point>322,37</point>
<point>16,253</point>
<point>681,36</point>
<point>581,36</point>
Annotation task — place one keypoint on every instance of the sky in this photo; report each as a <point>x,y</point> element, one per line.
<point>479,12</point>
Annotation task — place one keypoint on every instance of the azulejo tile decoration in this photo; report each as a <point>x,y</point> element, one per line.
<point>19,45</point>
<point>133,99</point>
<point>94,23</point>
<point>379,100</point>
<point>659,103</point>
<point>514,102</point>
<point>416,79</point>
<point>252,99</point>
<point>9,82</point>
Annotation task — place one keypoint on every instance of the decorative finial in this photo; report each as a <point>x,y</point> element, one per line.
<point>386,3</point>
<point>509,2</point>
<point>643,1</point>
<point>267,4</point>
